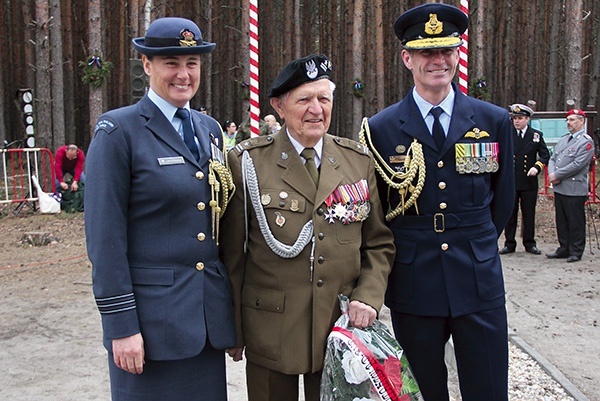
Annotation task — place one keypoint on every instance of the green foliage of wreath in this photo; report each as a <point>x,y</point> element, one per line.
<point>95,71</point>
<point>479,89</point>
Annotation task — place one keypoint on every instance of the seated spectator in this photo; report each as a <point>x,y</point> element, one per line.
<point>69,159</point>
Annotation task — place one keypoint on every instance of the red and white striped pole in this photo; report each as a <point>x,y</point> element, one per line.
<point>463,53</point>
<point>254,98</point>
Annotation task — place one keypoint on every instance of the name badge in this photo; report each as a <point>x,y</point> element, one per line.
<point>169,161</point>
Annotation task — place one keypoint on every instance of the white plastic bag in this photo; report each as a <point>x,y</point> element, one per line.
<point>48,203</point>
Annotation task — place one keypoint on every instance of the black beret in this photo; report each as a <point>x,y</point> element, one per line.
<point>172,36</point>
<point>299,71</point>
<point>431,26</point>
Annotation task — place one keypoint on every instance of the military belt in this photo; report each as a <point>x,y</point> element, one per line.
<point>441,222</point>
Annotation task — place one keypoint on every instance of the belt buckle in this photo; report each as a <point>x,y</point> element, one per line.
<point>439,223</point>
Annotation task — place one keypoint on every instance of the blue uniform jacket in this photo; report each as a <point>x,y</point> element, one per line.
<point>447,259</point>
<point>156,268</point>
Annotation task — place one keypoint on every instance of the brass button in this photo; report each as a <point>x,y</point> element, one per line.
<point>201,236</point>
<point>442,185</point>
<point>320,283</point>
<point>443,205</point>
<point>321,260</point>
<point>321,236</point>
<point>320,211</point>
<point>440,164</point>
<point>201,206</point>
<point>444,247</point>
<point>199,266</point>
<point>199,175</point>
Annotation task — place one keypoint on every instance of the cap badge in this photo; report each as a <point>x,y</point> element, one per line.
<point>187,38</point>
<point>517,109</point>
<point>311,69</point>
<point>326,65</point>
<point>433,26</point>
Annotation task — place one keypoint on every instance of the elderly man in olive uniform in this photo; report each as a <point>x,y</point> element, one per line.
<point>531,155</point>
<point>568,172</point>
<point>305,225</point>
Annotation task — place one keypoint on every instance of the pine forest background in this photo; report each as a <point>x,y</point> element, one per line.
<point>541,50</point>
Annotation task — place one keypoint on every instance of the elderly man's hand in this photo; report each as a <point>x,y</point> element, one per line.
<point>128,353</point>
<point>236,353</point>
<point>361,315</point>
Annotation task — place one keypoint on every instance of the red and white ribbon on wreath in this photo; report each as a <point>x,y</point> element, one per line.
<point>375,370</point>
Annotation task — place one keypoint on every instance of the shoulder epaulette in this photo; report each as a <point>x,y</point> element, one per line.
<point>105,124</point>
<point>586,136</point>
<point>251,143</point>
<point>351,144</point>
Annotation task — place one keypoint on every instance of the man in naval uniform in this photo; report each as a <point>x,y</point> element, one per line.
<point>447,184</point>
<point>568,172</point>
<point>531,155</point>
<point>163,293</point>
<point>304,225</point>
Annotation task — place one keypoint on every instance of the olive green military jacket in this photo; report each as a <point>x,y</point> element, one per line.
<point>285,308</point>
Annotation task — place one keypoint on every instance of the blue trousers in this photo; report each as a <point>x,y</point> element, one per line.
<point>480,345</point>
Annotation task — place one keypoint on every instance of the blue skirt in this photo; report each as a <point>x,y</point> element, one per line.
<point>199,378</point>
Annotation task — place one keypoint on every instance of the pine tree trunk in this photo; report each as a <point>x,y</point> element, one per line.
<point>574,36</point>
<point>42,94</point>
<point>95,47</point>
<point>58,82</point>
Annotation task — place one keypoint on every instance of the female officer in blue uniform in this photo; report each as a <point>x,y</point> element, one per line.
<point>448,176</point>
<point>162,292</point>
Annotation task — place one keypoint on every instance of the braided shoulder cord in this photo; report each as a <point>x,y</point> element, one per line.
<point>415,164</point>
<point>221,181</point>
<point>279,248</point>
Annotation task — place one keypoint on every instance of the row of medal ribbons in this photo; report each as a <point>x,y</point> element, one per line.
<point>477,158</point>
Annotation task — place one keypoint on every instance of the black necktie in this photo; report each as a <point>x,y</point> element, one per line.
<point>188,134</point>
<point>309,154</point>
<point>521,134</point>
<point>438,131</point>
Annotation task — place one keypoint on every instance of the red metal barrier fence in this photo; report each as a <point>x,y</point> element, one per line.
<point>18,165</point>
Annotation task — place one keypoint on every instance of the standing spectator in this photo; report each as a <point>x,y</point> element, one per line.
<point>531,156</point>
<point>69,159</point>
<point>447,276</point>
<point>150,216</point>
<point>230,129</point>
<point>202,109</point>
<point>304,241</point>
<point>272,123</point>
<point>568,174</point>
<point>244,129</point>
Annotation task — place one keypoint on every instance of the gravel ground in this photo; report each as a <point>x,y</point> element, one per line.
<point>50,334</point>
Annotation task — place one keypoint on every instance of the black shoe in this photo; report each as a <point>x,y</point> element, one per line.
<point>533,250</point>
<point>573,258</point>
<point>506,250</point>
<point>555,255</point>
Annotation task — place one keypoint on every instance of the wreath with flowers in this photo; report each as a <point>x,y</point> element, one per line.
<point>95,71</point>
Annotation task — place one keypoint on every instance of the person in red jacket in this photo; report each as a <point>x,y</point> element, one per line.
<point>69,159</point>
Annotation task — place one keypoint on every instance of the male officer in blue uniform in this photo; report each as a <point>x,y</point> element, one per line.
<point>163,293</point>
<point>531,155</point>
<point>447,183</point>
